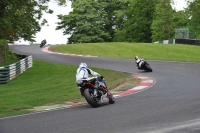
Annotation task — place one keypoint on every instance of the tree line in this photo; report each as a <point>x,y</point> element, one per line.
<point>100,20</point>
<point>127,20</point>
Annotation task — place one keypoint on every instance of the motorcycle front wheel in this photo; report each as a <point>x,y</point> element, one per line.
<point>111,98</point>
<point>89,97</point>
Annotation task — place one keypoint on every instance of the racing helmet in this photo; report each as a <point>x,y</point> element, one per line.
<point>136,57</point>
<point>83,64</point>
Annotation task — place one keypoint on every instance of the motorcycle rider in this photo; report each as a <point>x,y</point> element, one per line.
<point>138,61</point>
<point>82,74</point>
<point>44,42</point>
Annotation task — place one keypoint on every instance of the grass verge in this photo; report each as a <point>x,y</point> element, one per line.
<point>149,51</point>
<point>47,83</point>
<point>9,62</point>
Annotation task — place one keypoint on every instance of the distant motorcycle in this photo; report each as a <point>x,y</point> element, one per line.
<point>145,66</point>
<point>87,90</point>
<point>42,44</point>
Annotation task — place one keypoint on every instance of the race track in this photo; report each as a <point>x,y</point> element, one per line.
<point>171,105</point>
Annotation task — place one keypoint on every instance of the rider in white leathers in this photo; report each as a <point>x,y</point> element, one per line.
<point>83,72</point>
<point>138,61</point>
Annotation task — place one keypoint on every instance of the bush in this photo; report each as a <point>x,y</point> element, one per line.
<point>9,57</point>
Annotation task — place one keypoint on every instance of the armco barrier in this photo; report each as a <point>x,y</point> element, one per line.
<point>180,41</point>
<point>9,72</point>
<point>172,41</point>
<point>188,41</point>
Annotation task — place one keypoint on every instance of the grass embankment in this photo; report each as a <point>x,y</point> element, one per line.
<point>148,51</point>
<point>9,62</point>
<point>46,83</point>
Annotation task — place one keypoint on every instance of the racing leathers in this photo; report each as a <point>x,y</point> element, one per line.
<point>82,73</point>
<point>44,42</point>
<point>139,62</point>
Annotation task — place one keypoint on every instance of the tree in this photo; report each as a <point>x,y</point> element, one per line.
<point>180,19</point>
<point>121,15</point>
<point>194,15</point>
<point>162,26</point>
<point>137,22</point>
<point>113,9</point>
<point>22,18</point>
<point>85,23</point>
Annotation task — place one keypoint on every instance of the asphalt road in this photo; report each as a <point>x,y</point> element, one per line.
<point>171,105</point>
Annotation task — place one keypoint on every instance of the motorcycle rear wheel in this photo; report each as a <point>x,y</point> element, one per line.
<point>148,68</point>
<point>88,94</point>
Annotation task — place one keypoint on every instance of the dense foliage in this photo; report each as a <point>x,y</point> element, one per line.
<point>137,22</point>
<point>100,20</point>
<point>22,18</point>
<point>127,20</point>
<point>6,56</point>
<point>162,26</point>
<point>194,17</point>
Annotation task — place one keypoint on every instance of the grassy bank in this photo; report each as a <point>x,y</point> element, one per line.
<point>10,57</point>
<point>149,51</point>
<point>46,83</point>
<point>8,62</point>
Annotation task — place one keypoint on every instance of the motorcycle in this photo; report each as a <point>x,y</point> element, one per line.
<point>42,44</point>
<point>103,94</point>
<point>145,66</point>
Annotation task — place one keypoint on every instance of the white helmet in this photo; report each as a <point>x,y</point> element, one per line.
<point>83,64</point>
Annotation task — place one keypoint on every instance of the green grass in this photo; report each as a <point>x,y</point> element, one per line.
<point>50,83</point>
<point>8,62</point>
<point>149,51</point>
<point>46,83</point>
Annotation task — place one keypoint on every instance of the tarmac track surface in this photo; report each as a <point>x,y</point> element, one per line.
<point>171,105</point>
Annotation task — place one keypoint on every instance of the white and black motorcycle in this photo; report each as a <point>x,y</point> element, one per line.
<point>103,94</point>
<point>145,66</point>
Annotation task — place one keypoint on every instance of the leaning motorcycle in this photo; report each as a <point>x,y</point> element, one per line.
<point>41,45</point>
<point>145,66</point>
<point>87,91</point>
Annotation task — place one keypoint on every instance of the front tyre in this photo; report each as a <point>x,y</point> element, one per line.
<point>111,98</point>
<point>89,97</point>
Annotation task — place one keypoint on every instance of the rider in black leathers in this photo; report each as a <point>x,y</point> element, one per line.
<point>43,42</point>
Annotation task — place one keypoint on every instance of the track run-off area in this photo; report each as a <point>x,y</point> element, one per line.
<point>169,105</point>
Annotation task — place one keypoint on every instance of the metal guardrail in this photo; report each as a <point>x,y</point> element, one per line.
<point>8,73</point>
<point>180,41</point>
